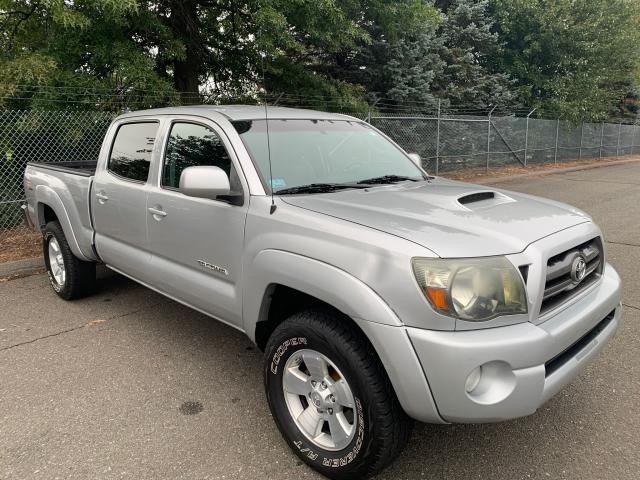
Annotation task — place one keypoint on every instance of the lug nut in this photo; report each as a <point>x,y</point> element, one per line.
<point>324,384</point>
<point>313,383</point>
<point>330,411</point>
<point>332,398</point>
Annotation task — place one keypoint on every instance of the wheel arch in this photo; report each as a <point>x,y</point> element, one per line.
<point>276,272</point>
<point>280,302</point>
<point>49,207</point>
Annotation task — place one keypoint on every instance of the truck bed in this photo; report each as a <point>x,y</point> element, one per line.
<point>84,168</point>
<point>65,187</point>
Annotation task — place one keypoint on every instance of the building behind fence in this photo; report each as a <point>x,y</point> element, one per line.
<point>446,142</point>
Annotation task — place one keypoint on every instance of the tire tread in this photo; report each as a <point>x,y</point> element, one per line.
<point>80,276</point>
<point>393,426</point>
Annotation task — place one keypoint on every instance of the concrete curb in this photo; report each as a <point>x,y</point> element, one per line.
<point>538,173</point>
<point>21,267</point>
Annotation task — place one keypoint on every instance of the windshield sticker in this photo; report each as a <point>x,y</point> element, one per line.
<point>278,182</point>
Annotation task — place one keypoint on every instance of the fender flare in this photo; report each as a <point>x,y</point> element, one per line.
<point>47,196</point>
<point>313,277</point>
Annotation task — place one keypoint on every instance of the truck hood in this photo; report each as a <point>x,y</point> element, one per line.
<point>452,219</point>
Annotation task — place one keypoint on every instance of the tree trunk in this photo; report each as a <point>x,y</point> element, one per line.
<point>186,79</point>
<point>186,71</point>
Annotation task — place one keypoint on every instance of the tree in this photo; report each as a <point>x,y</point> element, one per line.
<point>86,53</point>
<point>572,58</point>
<point>467,44</point>
<point>444,56</point>
<point>142,52</point>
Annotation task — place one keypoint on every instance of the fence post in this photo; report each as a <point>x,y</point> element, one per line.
<point>555,155</point>
<point>278,99</point>
<point>618,145</point>
<point>369,110</point>
<point>601,139</point>
<point>635,130</point>
<point>438,139</point>
<point>489,137</point>
<point>526,137</point>
<point>581,137</point>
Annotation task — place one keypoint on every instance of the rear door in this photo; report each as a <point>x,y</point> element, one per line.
<point>119,197</point>
<point>196,244</point>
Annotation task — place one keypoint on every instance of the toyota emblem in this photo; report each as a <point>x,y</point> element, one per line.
<point>578,269</point>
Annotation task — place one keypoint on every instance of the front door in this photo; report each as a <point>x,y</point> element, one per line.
<point>195,243</point>
<point>118,199</point>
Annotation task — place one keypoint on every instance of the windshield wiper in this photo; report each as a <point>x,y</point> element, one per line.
<point>317,188</point>
<point>387,179</point>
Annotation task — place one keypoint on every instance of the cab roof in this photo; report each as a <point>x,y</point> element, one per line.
<point>241,112</point>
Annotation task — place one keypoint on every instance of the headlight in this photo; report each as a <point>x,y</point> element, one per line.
<point>472,289</point>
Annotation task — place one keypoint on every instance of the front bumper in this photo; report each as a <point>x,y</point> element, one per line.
<point>523,365</point>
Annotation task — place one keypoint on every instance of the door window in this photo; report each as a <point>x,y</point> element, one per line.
<point>131,151</point>
<point>191,145</point>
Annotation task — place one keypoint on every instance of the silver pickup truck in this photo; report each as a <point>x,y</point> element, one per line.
<point>379,294</point>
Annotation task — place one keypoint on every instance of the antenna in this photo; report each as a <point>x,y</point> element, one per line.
<point>266,120</point>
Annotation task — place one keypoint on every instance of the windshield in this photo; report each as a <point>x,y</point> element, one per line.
<point>308,152</point>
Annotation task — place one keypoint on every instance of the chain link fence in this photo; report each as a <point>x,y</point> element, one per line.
<point>40,136</point>
<point>449,143</point>
<point>446,142</point>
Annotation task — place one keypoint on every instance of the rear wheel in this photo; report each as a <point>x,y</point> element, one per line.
<point>331,398</point>
<point>69,276</point>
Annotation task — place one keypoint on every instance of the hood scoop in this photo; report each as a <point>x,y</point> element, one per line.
<point>476,197</point>
<point>485,199</point>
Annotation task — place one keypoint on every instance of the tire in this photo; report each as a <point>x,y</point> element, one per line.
<point>379,427</point>
<point>69,276</point>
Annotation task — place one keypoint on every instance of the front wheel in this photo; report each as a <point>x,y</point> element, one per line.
<point>331,398</point>
<point>69,276</point>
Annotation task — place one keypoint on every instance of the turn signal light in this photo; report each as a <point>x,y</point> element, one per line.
<point>438,297</point>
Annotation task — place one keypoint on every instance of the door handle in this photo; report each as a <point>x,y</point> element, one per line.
<point>102,197</point>
<point>156,212</point>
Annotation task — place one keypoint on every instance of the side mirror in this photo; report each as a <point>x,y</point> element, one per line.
<point>204,182</point>
<point>415,157</point>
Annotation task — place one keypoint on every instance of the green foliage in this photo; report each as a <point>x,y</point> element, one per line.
<point>444,56</point>
<point>467,42</point>
<point>573,58</point>
<point>83,52</point>
<point>140,53</point>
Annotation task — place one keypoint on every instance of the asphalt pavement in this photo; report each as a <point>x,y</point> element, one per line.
<point>129,384</point>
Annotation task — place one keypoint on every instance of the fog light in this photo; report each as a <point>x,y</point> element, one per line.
<point>473,379</point>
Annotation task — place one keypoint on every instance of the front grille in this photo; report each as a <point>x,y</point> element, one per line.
<point>560,285</point>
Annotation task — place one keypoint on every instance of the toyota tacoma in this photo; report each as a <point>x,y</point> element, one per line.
<point>380,294</point>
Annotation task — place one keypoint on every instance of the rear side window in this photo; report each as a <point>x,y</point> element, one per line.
<point>131,151</point>
<point>192,145</point>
